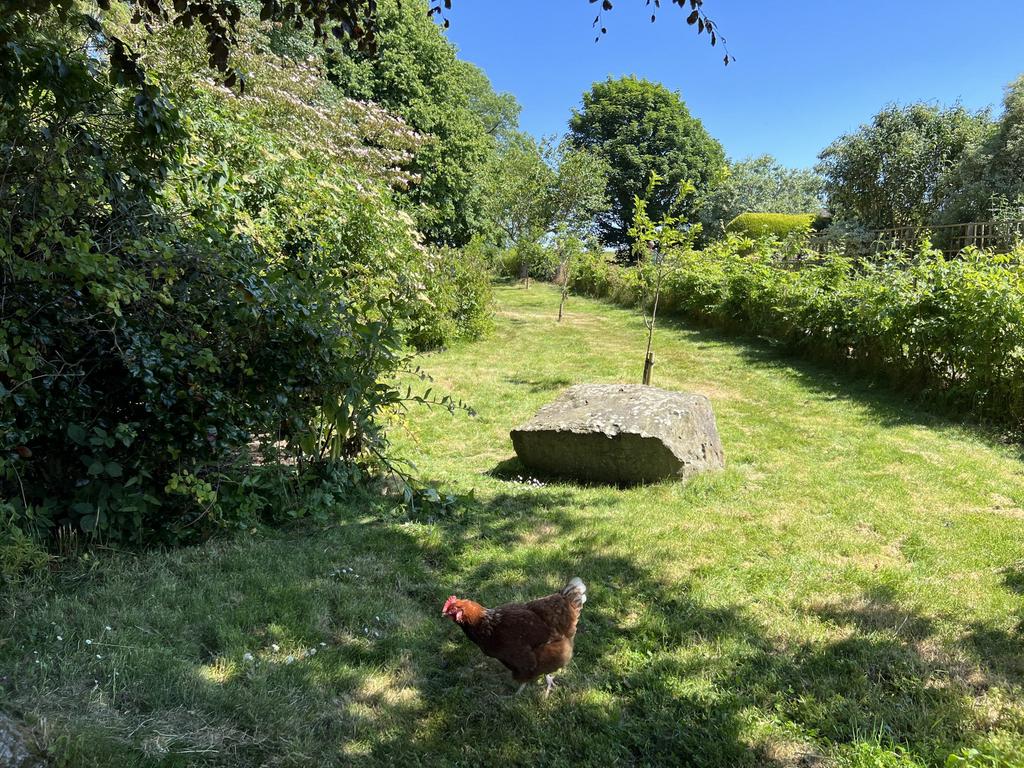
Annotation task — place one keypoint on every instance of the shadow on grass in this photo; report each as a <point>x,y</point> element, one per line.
<point>544,384</point>
<point>661,676</point>
<point>513,470</point>
<point>999,649</point>
<point>885,402</point>
<point>597,716</point>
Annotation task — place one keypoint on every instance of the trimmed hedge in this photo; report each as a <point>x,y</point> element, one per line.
<point>953,329</point>
<point>778,225</point>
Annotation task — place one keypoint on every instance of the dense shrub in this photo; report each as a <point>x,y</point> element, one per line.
<point>777,225</point>
<point>538,261</point>
<point>951,328</point>
<point>176,289</point>
<point>457,299</point>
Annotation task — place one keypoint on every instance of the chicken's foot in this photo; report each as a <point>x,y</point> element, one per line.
<point>550,684</point>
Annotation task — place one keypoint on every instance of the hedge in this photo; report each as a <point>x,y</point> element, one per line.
<point>778,225</point>
<point>951,329</point>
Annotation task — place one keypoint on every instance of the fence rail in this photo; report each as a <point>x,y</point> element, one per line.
<point>951,239</point>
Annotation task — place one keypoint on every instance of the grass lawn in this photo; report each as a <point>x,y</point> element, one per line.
<point>849,592</point>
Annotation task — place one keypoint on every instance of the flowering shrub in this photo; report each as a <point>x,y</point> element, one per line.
<point>951,328</point>
<point>184,285</point>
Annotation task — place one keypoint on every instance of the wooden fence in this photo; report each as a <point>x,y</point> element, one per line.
<point>951,239</point>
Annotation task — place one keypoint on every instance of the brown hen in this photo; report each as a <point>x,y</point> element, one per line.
<point>531,639</point>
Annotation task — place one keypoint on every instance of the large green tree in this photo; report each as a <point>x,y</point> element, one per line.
<point>759,185</point>
<point>518,190</point>
<point>638,128</point>
<point>992,177</point>
<point>895,171</point>
<point>535,188</point>
<point>415,73</point>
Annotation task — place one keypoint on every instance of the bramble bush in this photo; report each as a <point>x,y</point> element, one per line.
<point>952,329</point>
<point>191,280</point>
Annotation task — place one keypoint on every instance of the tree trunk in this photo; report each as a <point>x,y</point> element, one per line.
<point>565,288</point>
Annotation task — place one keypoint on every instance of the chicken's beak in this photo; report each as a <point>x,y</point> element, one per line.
<point>448,604</point>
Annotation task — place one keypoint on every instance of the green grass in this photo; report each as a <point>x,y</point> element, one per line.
<point>849,592</point>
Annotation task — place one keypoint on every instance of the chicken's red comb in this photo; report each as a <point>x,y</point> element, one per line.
<point>448,604</point>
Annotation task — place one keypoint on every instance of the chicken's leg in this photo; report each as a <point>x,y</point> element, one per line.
<point>551,684</point>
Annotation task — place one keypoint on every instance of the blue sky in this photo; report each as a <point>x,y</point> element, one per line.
<point>799,80</point>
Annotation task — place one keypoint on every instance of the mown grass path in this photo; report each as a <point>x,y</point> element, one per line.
<point>849,592</point>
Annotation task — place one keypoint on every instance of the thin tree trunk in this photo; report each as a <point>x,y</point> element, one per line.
<point>565,289</point>
<point>649,356</point>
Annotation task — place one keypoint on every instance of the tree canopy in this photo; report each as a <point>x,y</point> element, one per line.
<point>991,179</point>
<point>638,128</point>
<point>329,21</point>
<point>416,73</point>
<point>534,188</point>
<point>894,171</point>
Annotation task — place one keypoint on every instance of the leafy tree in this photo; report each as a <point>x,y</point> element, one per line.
<point>518,190</point>
<point>580,188</point>
<point>759,185</point>
<point>534,189</point>
<point>497,112</point>
<point>894,171</point>
<point>569,248</point>
<point>655,240</point>
<point>640,128</point>
<point>991,178</point>
<point>415,73</point>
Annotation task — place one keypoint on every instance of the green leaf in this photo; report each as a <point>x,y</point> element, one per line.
<point>96,467</point>
<point>113,469</point>
<point>76,433</point>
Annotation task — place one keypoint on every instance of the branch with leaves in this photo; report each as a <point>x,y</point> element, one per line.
<point>355,21</point>
<point>696,18</point>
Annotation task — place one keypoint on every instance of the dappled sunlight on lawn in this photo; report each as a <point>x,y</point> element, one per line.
<point>832,594</point>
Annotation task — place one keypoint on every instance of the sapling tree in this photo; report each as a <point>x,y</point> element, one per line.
<point>569,246</point>
<point>579,193</point>
<point>655,241</point>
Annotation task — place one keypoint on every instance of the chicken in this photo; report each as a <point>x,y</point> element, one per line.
<point>531,639</point>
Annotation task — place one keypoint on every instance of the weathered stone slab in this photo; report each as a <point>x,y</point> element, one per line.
<point>621,433</point>
<point>14,748</point>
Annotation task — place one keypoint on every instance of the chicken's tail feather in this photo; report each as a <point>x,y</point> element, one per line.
<point>575,591</point>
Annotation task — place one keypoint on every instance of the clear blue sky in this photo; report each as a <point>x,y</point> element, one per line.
<point>799,79</point>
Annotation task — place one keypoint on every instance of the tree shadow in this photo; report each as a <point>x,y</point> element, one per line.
<point>543,384</point>
<point>877,612</point>
<point>682,701</point>
<point>885,401</point>
<point>663,673</point>
<point>998,648</point>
